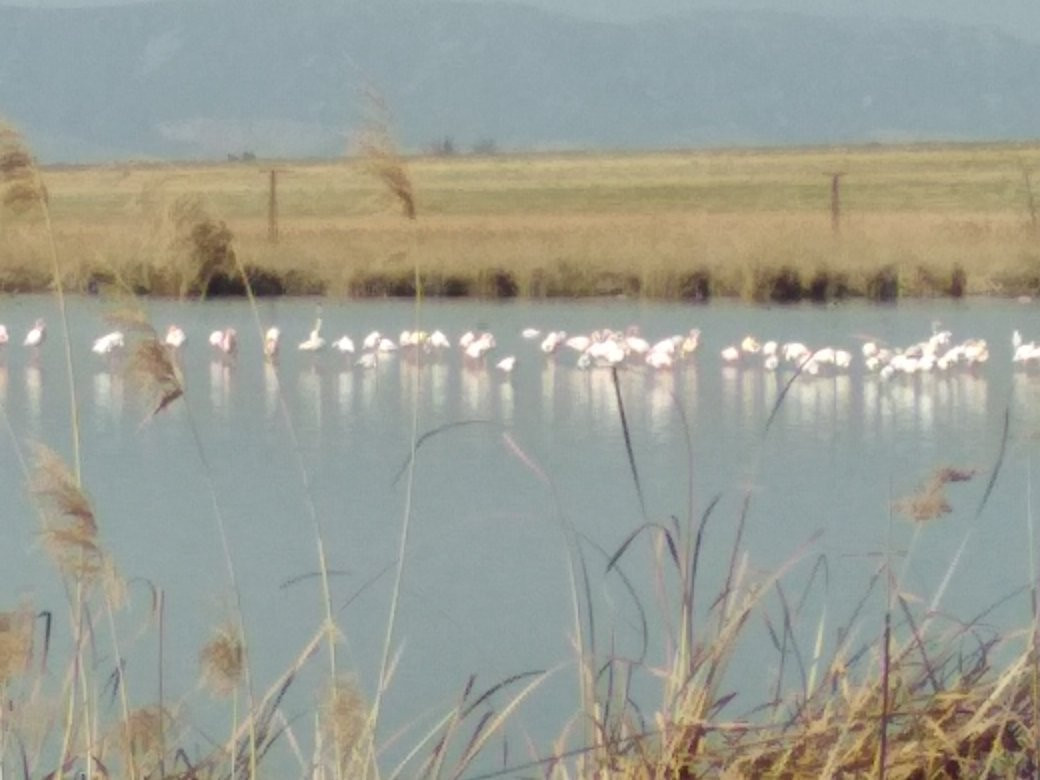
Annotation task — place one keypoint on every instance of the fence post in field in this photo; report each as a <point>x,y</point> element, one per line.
<point>272,203</point>
<point>1030,202</point>
<point>836,200</point>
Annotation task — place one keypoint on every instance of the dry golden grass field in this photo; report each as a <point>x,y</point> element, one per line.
<point>757,224</point>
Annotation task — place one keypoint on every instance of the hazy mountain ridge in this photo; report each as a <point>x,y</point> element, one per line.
<point>203,79</point>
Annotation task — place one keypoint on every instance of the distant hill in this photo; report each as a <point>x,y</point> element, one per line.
<point>203,79</point>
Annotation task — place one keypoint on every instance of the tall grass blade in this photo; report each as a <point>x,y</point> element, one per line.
<point>628,440</point>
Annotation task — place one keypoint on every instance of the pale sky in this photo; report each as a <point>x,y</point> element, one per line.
<point>1018,16</point>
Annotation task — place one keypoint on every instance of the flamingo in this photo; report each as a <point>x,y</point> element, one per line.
<point>175,337</point>
<point>730,354</point>
<point>634,343</point>
<point>530,333</point>
<point>4,338</point>
<point>438,340</point>
<point>794,352</point>
<point>36,336</point>
<point>506,364</point>
<point>667,345</point>
<point>656,358</point>
<point>479,346</point>
<point>109,343</point>
<point>750,345</point>
<point>224,340</point>
<point>313,342</point>
<point>371,341</point>
<point>579,343</point>
<point>608,352</point>
<point>552,341</point>
<point>691,342</point>
<point>344,344</point>
<point>271,343</point>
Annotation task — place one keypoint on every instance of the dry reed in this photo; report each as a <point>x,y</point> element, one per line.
<point>222,661</point>
<point>70,532</point>
<point>16,643</point>
<point>929,501</point>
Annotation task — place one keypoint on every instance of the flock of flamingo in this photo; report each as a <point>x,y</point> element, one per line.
<point>606,347</point>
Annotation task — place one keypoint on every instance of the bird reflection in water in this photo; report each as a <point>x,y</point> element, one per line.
<point>660,401</point>
<point>220,371</point>
<point>438,381</point>
<point>345,390</point>
<point>506,401</point>
<point>33,391</point>
<point>309,384</point>
<point>475,389</point>
<point>271,388</point>
<point>108,393</point>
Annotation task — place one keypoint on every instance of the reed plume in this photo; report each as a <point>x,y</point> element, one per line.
<point>16,643</point>
<point>70,532</point>
<point>382,159</point>
<point>345,725</point>
<point>929,501</point>
<point>141,738</point>
<point>20,185</point>
<point>222,661</point>
<point>151,368</point>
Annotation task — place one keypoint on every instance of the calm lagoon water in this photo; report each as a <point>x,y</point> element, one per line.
<point>486,588</point>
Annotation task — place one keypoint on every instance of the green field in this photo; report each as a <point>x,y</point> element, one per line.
<point>930,219</point>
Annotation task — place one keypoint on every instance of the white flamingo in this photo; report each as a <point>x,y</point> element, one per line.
<point>271,338</point>
<point>552,341</point>
<point>634,343</point>
<point>690,342</point>
<point>479,346</point>
<point>659,359</point>
<point>37,335</point>
<point>314,342</point>
<point>371,341</point>
<point>4,337</point>
<point>109,343</point>
<point>750,345</point>
<point>438,340</point>
<point>344,344</point>
<point>506,364</point>
<point>175,337</point>
<point>226,341</point>
<point>578,343</point>
<point>530,333</point>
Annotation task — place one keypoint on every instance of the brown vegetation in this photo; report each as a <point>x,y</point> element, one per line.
<point>915,221</point>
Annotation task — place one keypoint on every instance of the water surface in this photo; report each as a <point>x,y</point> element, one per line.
<point>520,464</point>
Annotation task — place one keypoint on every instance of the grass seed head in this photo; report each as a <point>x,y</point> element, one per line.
<point>70,532</point>
<point>141,736</point>
<point>930,501</point>
<point>382,159</point>
<point>19,180</point>
<point>344,719</point>
<point>154,373</point>
<point>222,661</point>
<point>16,635</point>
